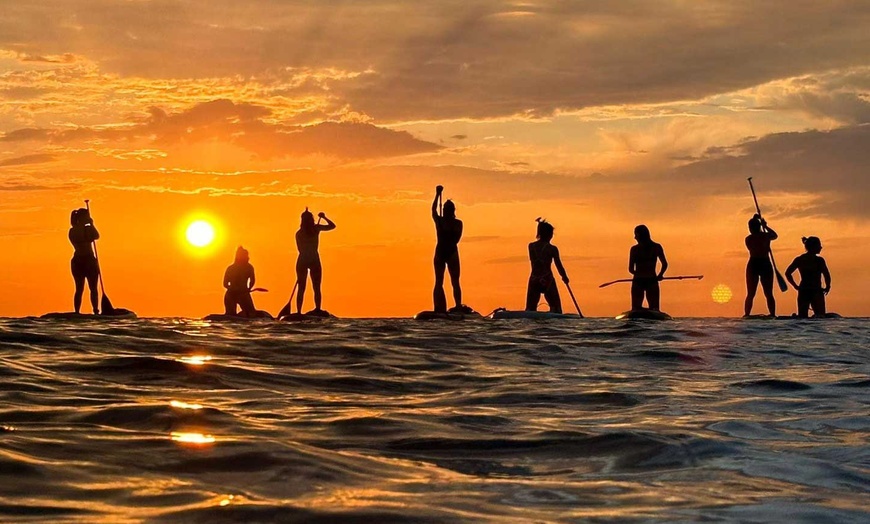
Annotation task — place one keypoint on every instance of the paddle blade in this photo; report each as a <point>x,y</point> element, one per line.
<point>781,281</point>
<point>286,310</point>
<point>106,306</point>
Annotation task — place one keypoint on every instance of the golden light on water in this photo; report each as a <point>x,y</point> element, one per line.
<point>191,438</point>
<point>195,360</point>
<point>184,405</point>
<point>200,233</point>
<point>721,294</point>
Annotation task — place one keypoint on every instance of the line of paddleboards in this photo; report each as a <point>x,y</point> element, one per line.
<point>117,314</point>
<point>310,316</point>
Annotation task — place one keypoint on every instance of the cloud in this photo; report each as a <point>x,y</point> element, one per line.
<point>38,158</point>
<point>242,124</point>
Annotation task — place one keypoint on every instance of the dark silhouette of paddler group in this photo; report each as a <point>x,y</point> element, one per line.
<point>647,265</point>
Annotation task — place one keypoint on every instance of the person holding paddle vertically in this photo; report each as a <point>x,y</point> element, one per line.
<point>642,261</point>
<point>449,231</point>
<point>542,255</point>
<point>84,265</point>
<point>308,262</point>
<point>759,266</point>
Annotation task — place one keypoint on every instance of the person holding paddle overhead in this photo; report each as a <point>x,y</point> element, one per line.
<point>759,266</point>
<point>84,265</point>
<point>642,261</point>
<point>308,262</point>
<point>812,268</point>
<point>448,229</point>
<point>542,254</point>
<point>239,280</point>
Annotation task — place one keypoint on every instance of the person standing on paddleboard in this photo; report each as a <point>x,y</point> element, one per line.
<point>759,266</point>
<point>812,268</point>
<point>239,280</point>
<point>308,262</point>
<point>642,261</point>
<point>84,265</point>
<point>542,254</point>
<point>449,231</point>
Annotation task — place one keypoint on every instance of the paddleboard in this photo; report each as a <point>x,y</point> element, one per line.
<point>506,314</point>
<point>222,317</point>
<point>313,315</point>
<point>643,314</point>
<point>457,313</point>
<point>117,314</point>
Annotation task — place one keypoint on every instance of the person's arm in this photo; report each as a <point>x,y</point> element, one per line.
<point>459,233</point>
<point>789,271</point>
<point>664,262</point>
<point>558,261</point>
<point>435,215</point>
<point>227,279</point>
<point>827,275</point>
<point>329,226</point>
<point>251,279</point>
<point>632,263</point>
<point>93,233</point>
<point>771,234</point>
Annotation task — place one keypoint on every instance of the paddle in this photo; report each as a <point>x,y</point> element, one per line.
<point>574,299</point>
<point>685,277</point>
<point>261,289</point>
<point>781,281</point>
<point>105,304</point>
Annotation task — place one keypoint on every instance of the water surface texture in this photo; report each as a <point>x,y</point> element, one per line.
<point>168,420</point>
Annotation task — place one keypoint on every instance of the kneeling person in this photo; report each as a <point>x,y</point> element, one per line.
<point>239,280</point>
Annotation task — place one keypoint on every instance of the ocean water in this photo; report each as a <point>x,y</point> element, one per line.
<point>390,420</point>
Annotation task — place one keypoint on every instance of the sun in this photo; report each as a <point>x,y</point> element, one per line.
<point>721,294</point>
<point>200,233</point>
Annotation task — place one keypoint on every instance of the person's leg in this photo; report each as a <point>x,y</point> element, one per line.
<point>767,288</point>
<point>438,296</point>
<point>229,303</point>
<point>316,278</point>
<point>819,307</point>
<point>751,289</point>
<point>553,298</point>
<point>301,281</point>
<point>80,289</point>
<point>95,296</point>
<point>453,268</point>
<point>533,294</point>
<point>636,294</point>
<point>803,304</point>
<point>246,304</point>
<point>653,295</point>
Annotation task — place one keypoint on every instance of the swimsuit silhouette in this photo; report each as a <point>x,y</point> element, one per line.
<point>812,269</point>
<point>84,265</point>
<point>542,254</point>
<point>759,266</point>
<point>642,261</point>
<point>308,262</point>
<point>239,279</point>
<point>448,229</point>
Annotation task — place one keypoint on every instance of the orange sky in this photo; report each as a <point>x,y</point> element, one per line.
<point>597,117</point>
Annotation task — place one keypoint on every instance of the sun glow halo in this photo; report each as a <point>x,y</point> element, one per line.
<point>721,294</point>
<point>200,233</point>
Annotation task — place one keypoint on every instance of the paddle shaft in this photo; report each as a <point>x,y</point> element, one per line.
<point>684,277</point>
<point>96,256</point>
<point>576,306</point>
<point>779,279</point>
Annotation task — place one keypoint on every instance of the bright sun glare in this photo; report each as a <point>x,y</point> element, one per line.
<point>721,294</point>
<point>200,233</point>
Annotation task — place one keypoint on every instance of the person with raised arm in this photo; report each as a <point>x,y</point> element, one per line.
<point>759,267</point>
<point>448,229</point>
<point>82,235</point>
<point>308,262</point>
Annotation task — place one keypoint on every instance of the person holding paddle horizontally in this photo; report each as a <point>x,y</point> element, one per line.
<point>642,262</point>
<point>84,265</point>
<point>759,266</point>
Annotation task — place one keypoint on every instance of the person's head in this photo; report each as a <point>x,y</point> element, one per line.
<point>242,255</point>
<point>307,222</point>
<point>755,224</point>
<point>545,230</point>
<point>642,235</point>
<point>450,209</point>
<point>812,244</point>
<point>79,217</point>
<point>74,217</point>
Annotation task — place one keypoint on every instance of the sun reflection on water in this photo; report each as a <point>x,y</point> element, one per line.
<point>184,405</point>
<point>195,360</point>
<point>191,438</point>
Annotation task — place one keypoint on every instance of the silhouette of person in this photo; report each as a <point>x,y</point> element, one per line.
<point>759,266</point>
<point>239,279</point>
<point>308,262</point>
<point>542,254</point>
<point>812,268</point>
<point>84,265</point>
<point>642,261</point>
<point>449,231</point>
